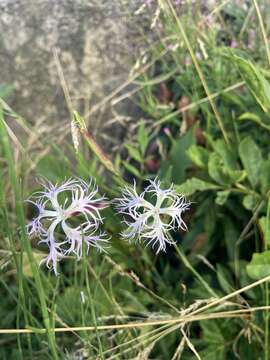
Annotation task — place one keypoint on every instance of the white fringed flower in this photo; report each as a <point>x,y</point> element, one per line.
<point>152,222</point>
<point>69,211</point>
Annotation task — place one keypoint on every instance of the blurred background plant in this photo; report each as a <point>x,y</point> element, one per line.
<point>203,88</point>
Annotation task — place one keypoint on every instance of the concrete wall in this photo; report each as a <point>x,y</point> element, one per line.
<point>97,43</point>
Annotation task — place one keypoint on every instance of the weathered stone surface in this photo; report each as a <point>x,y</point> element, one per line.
<point>95,40</point>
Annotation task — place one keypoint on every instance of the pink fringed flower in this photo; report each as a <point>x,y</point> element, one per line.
<point>151,221</point>
<point>69,211</point>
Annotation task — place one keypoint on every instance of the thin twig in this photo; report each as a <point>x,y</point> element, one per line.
<point>181,319</point>
<point>262,30</point>
<point>198,69</point>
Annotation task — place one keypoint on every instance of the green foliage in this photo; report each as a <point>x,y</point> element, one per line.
<point>214,337</point>
<point>251,157</point>
<point>178,140</point>
<point>255,80</point>
<point>198,155</point>
<point>193,185</point>
<point>259,266</point>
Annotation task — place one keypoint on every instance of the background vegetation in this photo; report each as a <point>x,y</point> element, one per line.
<point>203,86</point>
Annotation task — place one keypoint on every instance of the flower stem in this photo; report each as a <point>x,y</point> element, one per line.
<point>186,262</point>
<point>25,243</point>
<point>266,316</point>
<point>92,307</point>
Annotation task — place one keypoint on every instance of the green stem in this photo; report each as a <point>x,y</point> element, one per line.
<point>266,324</point>
<point>25,243</point>
<point>18,261</point>
<point>90,296</point>
<point>170,12</point>
<point>186,262</point>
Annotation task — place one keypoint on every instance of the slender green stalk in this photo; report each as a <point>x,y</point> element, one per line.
<point>92,307</point>
<point>185,319</point>
<point>266,287</point>
<point>18,326</point>
<point>186,262</point>
<point>266,324</point>
<point>107,296</point>
<point>18,261</point>
<point>266,316</point>
<point>171,12</point>
<point>262,30</point>
<point>25,243</point>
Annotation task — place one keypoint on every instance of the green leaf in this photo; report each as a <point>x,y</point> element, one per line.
<point>251,157</point>
<point>235,10</point>
<point>134,153</point>
<point>213,337</point>
<point>250,116</point>
<point>178,157</point>
<point>224,278</point>
<point>244,280</point>
<point>255,118</point>
<point>165,175</point>
<point>227,154</point>
<point>250,201</point>
<point>49,168</point>
<point>231,234</point>
<point>143,138</point>
<point>234,98</point>
<point>222,197</point>
<point>265,232</point>
<point>190,186</point>
<point>132,169</point>
<point>265,176</point>
<point>198,155</point>
<point>215,169</point>
<point>212,332</point>
<point>214,352</point>
<point>236,176</point>
<point>255,80</point>
<point>222,165</point>
<point>259,266</point>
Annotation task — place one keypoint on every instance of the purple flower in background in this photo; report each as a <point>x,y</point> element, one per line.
<point>234,44</point>
<point>151,222</point>
<point>209,19</point>
<point>70,211</point>
<point>167,131</point>
<point>148,2</point>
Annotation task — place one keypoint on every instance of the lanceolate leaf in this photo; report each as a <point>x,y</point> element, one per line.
<point>198,155</point>
<point>251,157</point>
<point>255,80</point>
<point>143,137</point>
